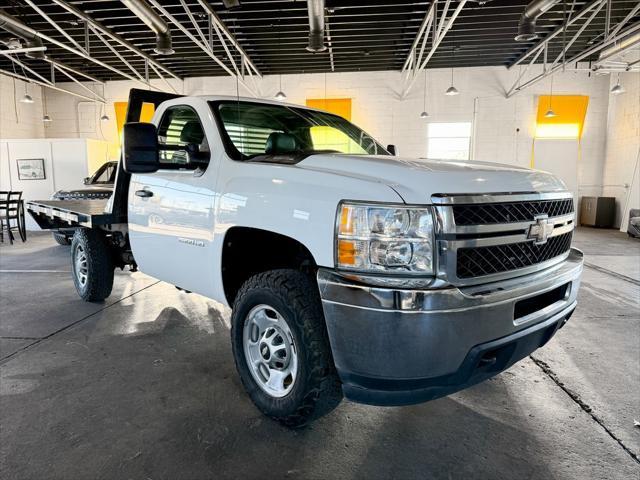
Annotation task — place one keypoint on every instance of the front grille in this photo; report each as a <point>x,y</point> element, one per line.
<point>480,261</point>
<point>494,213</point>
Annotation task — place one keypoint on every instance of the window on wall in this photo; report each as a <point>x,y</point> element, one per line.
<point>449,141</point>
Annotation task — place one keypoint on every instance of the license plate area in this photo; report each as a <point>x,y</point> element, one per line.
<point>531,305</point>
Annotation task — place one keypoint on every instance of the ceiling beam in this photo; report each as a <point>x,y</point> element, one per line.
<point>113,36</point>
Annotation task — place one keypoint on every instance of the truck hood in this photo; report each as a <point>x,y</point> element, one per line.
<point>416,180</point>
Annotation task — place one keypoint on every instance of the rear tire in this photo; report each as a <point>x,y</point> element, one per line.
<point>91,265</point>
<point>61,239</point>
<point>312,388</point>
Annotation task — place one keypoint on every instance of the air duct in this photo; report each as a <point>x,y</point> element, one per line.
<point>527,25</point>
<point>31,40</point>
<point>316,26</point>
<point>152,20</point>
<point>630,41</point>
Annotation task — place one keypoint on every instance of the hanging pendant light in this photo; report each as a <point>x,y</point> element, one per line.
<point>424,113</point>
<point>28,99</point>
<point>617,89</point>
<point>280,95</point>
<point>46,119</point>
<point>451,91</point>
<point>104,117</point>
<point>550,113</point>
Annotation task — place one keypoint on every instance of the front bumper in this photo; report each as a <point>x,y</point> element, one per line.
<point>398,347</point>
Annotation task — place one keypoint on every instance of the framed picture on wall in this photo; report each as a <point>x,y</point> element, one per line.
<point>31,169</point>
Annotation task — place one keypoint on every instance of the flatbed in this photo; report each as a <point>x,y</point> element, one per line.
<point>52,214</point>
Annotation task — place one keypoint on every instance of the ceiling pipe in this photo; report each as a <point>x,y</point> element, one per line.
<point>527,25</point>
<point>30,40</point>
<point>316,26</point>
<point>626,43</point>
<point>152,20</point>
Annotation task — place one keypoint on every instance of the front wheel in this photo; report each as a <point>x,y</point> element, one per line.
<point>281,348</point>
<point>91,265</point>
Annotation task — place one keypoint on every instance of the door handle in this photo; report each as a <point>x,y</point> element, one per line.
<point>144,193</point>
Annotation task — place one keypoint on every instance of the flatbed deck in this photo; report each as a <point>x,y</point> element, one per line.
<point>51,214</point>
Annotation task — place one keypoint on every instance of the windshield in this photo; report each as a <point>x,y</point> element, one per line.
<point>255,129</point>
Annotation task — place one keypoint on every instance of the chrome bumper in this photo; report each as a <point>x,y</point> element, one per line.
<point>394,347</point>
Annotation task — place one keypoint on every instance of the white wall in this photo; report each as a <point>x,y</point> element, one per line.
<point>66,163</point>
<point>504,128</point>
<point>623,148</point>
<point>20,120</point>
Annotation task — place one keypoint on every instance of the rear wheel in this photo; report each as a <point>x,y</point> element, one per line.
<point>281,348</point>
<point>91,265</point>
<point>61,238</point>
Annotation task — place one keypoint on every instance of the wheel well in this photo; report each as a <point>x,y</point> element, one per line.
<point>248,251</point>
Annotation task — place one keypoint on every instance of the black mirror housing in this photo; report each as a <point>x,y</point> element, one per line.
<point>140,148</point>
<point>392,149</point>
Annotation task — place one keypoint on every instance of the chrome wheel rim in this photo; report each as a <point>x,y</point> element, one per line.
<point>270,352</point>
<point>80,265</point>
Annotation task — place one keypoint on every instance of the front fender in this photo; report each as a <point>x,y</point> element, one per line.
<point>289,201</point>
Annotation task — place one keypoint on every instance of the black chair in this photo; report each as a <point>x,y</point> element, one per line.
<point>12,216</point>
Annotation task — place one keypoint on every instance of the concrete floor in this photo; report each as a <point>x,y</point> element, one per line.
<point>144,386</point>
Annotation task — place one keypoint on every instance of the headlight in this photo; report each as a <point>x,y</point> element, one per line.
<point>374,238</point>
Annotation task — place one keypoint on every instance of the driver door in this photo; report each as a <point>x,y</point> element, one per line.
<point>171,211</point>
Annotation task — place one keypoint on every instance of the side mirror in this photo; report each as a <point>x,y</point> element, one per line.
<point>86,180</point>
<point>140,148</point>
<point>392,149</point>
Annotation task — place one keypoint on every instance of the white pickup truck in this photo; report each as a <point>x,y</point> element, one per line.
<point>350,271</point>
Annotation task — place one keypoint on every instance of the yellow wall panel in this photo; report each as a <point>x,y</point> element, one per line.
<point>146,114</point>
<point>337,106</point>
<point>570,113</point>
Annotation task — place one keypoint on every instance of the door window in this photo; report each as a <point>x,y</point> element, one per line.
<point>181,127</point>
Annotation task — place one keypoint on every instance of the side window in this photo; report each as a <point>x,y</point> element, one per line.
<point>104,174</point>
<point>181,127</point>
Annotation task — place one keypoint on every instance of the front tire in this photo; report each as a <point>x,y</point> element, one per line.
<point>61,239</point>
<point>91,265</point>
<point>281,348</point>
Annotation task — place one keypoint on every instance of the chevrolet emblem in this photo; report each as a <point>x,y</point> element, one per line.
<point>541,230</point>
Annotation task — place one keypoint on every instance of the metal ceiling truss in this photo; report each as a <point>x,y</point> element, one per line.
<point>269,37</point>
<point>79,52</point>
<point>610,37</point>
<point>239,65</point>
<point>45,82</point>
<point>432,27</point>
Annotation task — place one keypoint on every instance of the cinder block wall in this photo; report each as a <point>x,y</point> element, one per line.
<point>623,148</point>
<point>20,120</point>
<point>503,128</point>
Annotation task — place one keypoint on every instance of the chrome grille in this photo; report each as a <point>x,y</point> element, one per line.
<point>485,214</point>
<point>481,261</point>
<point>489,237</point>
